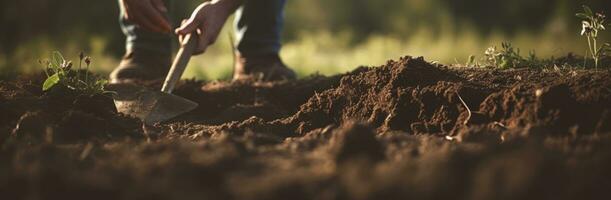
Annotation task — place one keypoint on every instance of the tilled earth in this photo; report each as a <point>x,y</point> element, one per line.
<point>408,129</point>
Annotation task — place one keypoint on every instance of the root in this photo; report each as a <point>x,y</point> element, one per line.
<point>466,107</point>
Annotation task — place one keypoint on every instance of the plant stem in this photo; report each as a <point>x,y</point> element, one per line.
<point>590,46</point>
<point>591,40</point>
<point>595,53</point>
<point>78,73</point>
<point>87,75</point>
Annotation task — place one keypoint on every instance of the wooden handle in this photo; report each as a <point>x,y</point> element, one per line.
<point>180,62</point>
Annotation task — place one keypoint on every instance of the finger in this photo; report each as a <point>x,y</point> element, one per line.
<point>188,27</point>
<point>192,23</point>
<point>124,9</point>
<point>202,42</point>
<point>159,5</point>
<point>157,19</point>
<point>181,37</point>
<point>127,16</point>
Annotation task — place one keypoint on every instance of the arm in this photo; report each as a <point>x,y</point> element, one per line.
<point>148,14</point>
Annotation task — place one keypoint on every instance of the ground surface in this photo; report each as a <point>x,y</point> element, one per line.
<point>408,129</point>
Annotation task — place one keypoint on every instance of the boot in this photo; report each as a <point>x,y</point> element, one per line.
<point>261,68</point>
<point>136,67</point>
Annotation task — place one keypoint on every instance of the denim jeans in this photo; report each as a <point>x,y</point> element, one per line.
<point>258,26</point>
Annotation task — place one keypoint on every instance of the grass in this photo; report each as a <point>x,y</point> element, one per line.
<point>327,53</point>
<point>509,57</point>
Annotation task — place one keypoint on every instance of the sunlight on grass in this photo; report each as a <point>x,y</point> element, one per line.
<point>326,53</point>
<point>28,54</point>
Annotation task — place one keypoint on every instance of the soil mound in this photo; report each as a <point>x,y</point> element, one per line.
<point>59,115</point>
<point>409,95</point>
<point>406,130</point>
<point>414,96</point>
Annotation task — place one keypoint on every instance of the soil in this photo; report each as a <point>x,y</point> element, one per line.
<point>407,129</point>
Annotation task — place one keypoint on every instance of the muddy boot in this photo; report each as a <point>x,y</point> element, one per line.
<point>262,68</point>
<point>136,67</point>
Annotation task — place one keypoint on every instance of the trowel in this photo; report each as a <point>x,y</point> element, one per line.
<point>157,106</point>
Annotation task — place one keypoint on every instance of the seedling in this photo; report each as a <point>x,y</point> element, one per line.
<point>471,61</point>
<point>509,57</point>
<point>60,73</point>
<point>591,25</point>
<point>506,57</point>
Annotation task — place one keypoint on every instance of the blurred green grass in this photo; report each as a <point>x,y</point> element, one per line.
<point>327,53</point>
<point>340,37</point>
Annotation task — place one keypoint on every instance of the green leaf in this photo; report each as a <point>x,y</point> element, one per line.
<point>605,48</point>
<point>471,60</point>
<point>582,15</point>
<point>101,82</point>
<point>56,60</point>
<point>588,10</point>
<point>50,82</point>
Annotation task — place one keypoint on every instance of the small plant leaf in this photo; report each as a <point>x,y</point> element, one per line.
<point>588,10</point>
<point>471,60</point>
<point>101,82</point>
<point>582,15</point>
<point>50,82</point>
<point>59,71</point>
<point>56,60</point>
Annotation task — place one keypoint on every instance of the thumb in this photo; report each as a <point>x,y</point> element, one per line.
<point>188,27</point>
<point>159,5</point>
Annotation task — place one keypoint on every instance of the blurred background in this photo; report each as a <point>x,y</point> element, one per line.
<point>320,36</point>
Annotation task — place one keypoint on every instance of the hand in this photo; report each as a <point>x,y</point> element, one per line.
<point>147,14</point>
<point>207,21</point>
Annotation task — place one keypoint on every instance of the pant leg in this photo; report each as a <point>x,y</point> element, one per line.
<point>141,40</point>
<point>258,27</point>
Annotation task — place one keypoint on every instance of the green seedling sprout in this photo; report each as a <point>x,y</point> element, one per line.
<point>506,57</point>
<point>591,24</point>
<point>59,72</point>
<point>509,57</point>
<point>471,61</point>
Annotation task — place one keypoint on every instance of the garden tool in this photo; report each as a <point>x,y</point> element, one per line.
<point>157,106</point>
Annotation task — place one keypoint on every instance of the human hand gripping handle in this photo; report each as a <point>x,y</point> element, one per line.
<point>207,21</point>
<point>188,46</point>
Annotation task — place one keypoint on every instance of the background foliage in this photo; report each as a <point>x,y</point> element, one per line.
<point>320,35</point>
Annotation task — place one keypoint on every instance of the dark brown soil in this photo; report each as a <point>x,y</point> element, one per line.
<point>408,129</point>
